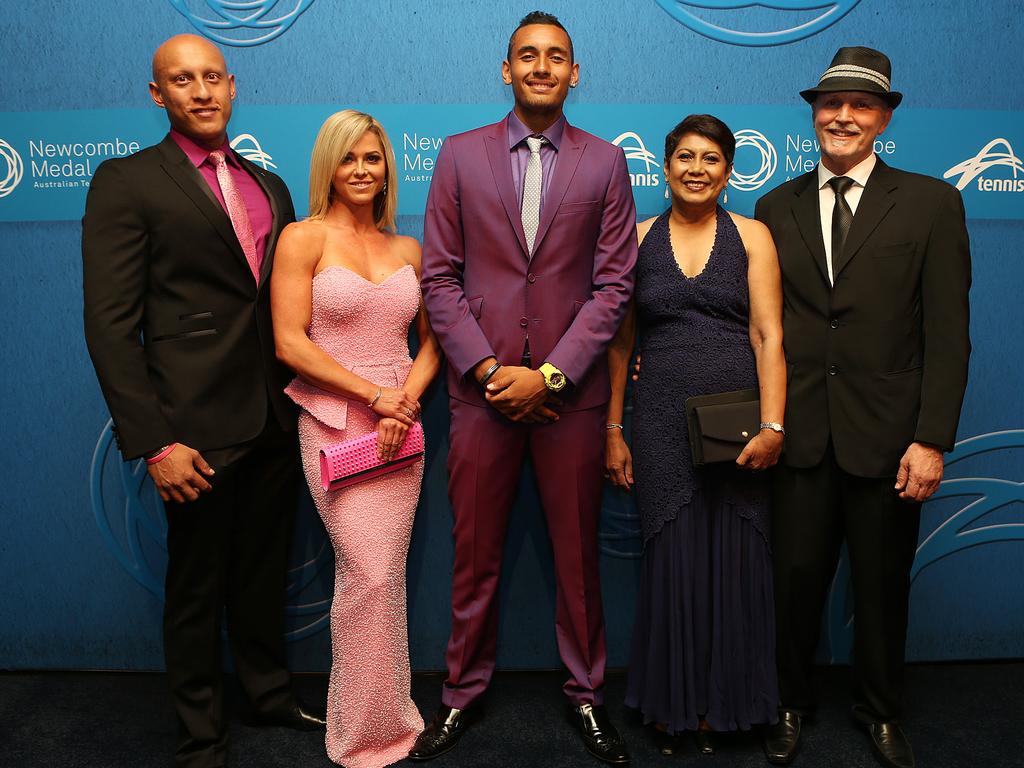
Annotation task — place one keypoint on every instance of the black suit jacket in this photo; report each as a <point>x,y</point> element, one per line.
<point>879,360</point>
<point>178,330</point>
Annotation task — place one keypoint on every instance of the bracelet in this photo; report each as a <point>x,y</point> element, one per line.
<point>489,372</point>
<point>163,453</point>
<point>613,425</point>
<point>774,426</point>
<point>375,398</point>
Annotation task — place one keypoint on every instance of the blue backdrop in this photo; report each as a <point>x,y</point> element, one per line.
<point>81,533</point>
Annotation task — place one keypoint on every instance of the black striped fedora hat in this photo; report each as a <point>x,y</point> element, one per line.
<point>857,69</point>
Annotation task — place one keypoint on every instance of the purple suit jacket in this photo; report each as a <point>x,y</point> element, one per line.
<point>483,292</point>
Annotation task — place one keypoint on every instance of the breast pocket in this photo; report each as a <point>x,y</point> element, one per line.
<point>894,251</point>
<point>581,207</point>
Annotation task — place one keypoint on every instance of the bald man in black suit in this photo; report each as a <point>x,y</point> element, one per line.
<point>177,245</point>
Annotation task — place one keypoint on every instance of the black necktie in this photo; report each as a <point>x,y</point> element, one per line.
<point>842,216</point>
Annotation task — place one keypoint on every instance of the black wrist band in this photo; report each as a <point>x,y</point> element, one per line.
<point>488,373</point>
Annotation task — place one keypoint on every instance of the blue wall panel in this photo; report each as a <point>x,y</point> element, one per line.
<point>75,594</point>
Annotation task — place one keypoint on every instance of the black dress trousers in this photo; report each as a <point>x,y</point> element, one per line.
<point>813,511</point>
<point>227,562</point>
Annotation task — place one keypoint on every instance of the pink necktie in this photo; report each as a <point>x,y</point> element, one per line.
<point>236,211</point>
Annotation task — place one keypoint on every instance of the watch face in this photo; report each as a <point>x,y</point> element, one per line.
<point>556,381</point>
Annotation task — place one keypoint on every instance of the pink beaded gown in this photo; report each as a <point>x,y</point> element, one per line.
<point>371,719</point>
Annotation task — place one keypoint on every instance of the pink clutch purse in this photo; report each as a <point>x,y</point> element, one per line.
<point>353,461</point>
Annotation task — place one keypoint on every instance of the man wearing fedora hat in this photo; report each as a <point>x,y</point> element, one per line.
<point>876,271</point>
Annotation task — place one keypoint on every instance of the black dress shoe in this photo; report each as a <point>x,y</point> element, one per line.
<point>891,746</point>
<point>781,741</point>
<point>667,743</point>
<point>704,741</point>
<point>296,718</point>
<point>441,735</point>
<point>599,735</point>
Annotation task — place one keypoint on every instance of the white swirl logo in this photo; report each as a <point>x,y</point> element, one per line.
<point>15,169</point>
<point>248,147</point>
<point>747,182</point>
<point>693,14</point>
<point>989,157</point>
<point>636,151</point>
<point>242,22</point>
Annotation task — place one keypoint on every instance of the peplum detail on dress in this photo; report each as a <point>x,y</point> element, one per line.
<point>332,409</point>
<point>326,407</point>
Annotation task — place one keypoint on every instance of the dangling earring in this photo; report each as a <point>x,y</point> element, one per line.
<point>668,191</point>
<point>725,197</point>
<point>384,188</point>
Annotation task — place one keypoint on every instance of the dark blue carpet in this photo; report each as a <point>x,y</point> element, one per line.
<point>958,716</point>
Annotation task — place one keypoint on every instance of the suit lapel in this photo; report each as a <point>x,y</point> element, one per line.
<point>569,155</point>
<point>501,168</point>
<point>807,212</point>
<point>275,228</point>
<point>875,203</point>
<point>191,182</point>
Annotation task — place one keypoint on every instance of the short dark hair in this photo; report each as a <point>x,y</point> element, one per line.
<point>708,126</point>
<point>538,17</point>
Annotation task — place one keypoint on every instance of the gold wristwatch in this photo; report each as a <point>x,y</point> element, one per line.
<point>554,379</point>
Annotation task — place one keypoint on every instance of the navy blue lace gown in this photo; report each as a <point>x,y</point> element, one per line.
<point>704,634</point>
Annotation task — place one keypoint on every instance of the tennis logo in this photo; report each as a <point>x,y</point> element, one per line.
<point>766,160</point>
<point>241,22</point>
<point>635,151</point>
<point>791,20</point>
<point>996,154</point>
<point>12,169</point>
<point>248,147</point>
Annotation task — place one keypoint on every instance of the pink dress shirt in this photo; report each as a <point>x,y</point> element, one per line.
<point>260,215</point>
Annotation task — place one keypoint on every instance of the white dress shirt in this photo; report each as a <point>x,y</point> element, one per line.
<point>827,199</point>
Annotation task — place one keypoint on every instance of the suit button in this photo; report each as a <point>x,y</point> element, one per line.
<point>833,370</point>
<point>834,323</point>
<point>531,278</point>
<point>523,322</point>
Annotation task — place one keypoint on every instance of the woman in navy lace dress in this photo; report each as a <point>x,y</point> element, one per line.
<point>707,310</point>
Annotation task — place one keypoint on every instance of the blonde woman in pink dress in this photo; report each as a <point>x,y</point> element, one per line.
<point>344,292</point>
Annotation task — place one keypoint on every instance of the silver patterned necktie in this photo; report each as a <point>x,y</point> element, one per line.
<point>531,191</point>
<point>842,218</point>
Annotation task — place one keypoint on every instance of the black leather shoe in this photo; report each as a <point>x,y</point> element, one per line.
<point>704,741</point>
<point>599,735</point>
<point>891,746</point>
<point>441,735</point>
<point>782,740</point>
<point>667,743</point>
<point>297,718</point>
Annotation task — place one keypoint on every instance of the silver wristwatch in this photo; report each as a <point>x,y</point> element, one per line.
<point>774,426</point>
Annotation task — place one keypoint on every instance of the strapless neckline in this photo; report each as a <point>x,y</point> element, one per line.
<point>360,277</point>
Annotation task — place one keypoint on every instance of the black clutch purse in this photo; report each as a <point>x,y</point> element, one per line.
<point>720,425</point>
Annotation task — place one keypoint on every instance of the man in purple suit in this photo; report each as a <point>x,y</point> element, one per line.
<point>528,254</point>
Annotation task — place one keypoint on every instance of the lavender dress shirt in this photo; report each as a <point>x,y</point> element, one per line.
<point>520,153</point>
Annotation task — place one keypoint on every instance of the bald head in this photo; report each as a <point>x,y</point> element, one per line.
<point>191,81</point>
<point>183,46</point>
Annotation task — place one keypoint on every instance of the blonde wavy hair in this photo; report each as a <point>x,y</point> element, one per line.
<point>337,136</point>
